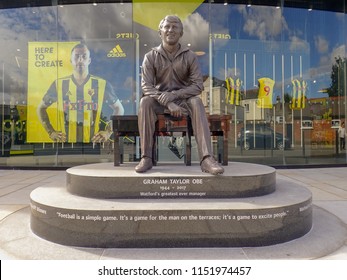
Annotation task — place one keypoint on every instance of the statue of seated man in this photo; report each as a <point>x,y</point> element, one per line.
<point>171,82</point>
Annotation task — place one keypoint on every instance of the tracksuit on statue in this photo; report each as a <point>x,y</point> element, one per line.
<point>181,76</point>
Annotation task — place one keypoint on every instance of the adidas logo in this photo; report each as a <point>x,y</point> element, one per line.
<point>116,52</point>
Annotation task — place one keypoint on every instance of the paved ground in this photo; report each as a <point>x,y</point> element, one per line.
<point>326,240</point>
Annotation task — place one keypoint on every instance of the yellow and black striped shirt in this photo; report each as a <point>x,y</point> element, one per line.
<point>81,108</point>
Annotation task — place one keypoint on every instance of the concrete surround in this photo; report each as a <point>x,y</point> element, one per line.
<point>326,240</point>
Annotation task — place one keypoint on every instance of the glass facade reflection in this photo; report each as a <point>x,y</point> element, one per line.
<point>278,68</point>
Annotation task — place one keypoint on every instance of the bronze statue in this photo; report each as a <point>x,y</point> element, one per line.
<point>172,81</point>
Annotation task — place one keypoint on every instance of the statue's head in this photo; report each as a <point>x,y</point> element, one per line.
<point>171,19</point>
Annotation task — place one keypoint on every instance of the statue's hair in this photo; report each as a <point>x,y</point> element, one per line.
<point>171,18</point>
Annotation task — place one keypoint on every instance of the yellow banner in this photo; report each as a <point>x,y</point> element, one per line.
<point>47,61</point>
<point>266,86</point>
<point>150,12</point>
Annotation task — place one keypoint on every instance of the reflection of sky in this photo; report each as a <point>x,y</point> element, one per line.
<point>97,25</point>
<point>309,42</point>
<point>267,32</point>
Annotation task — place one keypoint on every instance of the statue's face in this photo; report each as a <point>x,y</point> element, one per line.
<point>170,32</point>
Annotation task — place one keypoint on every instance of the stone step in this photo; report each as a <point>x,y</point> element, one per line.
<point>103,180</point>
<point>64,218</point>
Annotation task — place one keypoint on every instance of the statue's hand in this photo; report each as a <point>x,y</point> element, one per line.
<point>101,136</point>
<point>57,136</point>
<point>166,97</point>
<point>175,110</point>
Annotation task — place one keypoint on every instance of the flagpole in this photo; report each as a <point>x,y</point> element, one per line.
<point>274,107</point>
<point>235,96</point>
<point>255,100</point>
<point>254,84</point>
<point>255,104</point>
<point>300,106</point>
<point>225,65</point>
<point>137,66</point>
<point>344,88</point>
<point>137,89</point>
<point>292,71</point>
<point>3,109</point>
<point>210,73</point>
<point>225,78</point>
<point>235,64</point>
<point>245,90</point>
<point>283,123</point>
<point>244,74</point>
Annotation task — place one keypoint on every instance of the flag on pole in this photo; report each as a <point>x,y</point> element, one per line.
<point>234,94</point>
<point>299,88</point>
<point>266,86</point>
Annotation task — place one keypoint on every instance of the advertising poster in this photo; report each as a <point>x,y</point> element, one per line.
<point>75,87</point>
<point>46,61</point>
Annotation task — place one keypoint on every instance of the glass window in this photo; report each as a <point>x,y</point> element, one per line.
<point>284,66</point>
<point>279,72</point>
<point>66,70</point>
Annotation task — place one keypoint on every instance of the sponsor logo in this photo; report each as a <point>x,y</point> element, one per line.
<point>116,52</point>
<point>80,105</point>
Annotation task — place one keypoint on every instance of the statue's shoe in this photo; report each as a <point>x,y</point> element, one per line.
<point>144,165</point>
<point>210,165</point>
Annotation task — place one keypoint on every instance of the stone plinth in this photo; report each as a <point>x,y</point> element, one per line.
<point>279,216</point>
<point>170,181</point>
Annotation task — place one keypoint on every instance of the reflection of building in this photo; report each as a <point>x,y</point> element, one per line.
<point>307,124</point>
<point>219,106</point>
<point>318,111</point>
<point>252,112</point>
